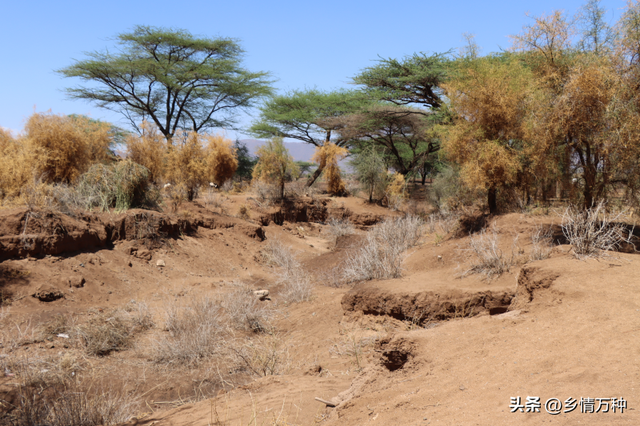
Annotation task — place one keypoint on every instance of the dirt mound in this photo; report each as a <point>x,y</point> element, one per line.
<point>424,307</point>
<point>25,232</point>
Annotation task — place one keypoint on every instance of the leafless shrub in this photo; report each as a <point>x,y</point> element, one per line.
<point>141,315</point>
<point>297,285</point>
<point>263,355</point>
<point>296,188</point>
<point>442,223</point>
<point>246,311</point>
<point>104,333</point>
<point>541,243</point>
<point>194,332</point>
<point>68,403</point>
<point>265,193</point>
<point>592,232</point>
<point>340,227</point>
<point>489,258</point>
<point>352,343</point>
<point>383,252</point>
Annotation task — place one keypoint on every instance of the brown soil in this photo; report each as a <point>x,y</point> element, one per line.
<point>436,346</point>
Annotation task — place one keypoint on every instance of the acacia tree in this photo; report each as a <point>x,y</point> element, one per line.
<point>489,97</point>
<point>406,137</point>
<point>586,113</point>
<point>275,164</point>
<point>171,78</point>
<point>303,115</point>
<point>414,80</point>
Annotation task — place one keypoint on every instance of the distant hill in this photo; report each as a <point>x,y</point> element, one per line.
<point>299,150</point>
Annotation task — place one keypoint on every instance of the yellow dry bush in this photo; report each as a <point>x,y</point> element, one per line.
<point>18,159</point>
<point>275,165</point>
<point>71,143</point>
<point>397,185</point>
<point>327,157</point>
<point>220,159</point>
<point>149,150</point>
<point>186,165</point>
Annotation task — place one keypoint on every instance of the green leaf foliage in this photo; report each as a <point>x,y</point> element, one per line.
<point>169,77</point>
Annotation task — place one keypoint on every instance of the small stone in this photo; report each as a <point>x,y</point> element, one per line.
<point>161,263</point>
<point>262,294</point>
<point>48,294</point>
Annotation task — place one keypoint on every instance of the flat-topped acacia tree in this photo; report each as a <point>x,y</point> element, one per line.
<point>171,78</point>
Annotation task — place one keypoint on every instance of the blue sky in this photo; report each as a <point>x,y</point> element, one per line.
<point>303,44</point>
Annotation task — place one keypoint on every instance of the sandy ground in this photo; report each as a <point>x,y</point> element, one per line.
<point>435,346</point>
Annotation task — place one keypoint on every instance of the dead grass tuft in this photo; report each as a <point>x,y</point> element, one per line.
<point>297,284</point>
<point>194,330</point>
<point>383,252</point>
<point>246,312</point>
<point>593,232</point>
<point>490,260</point>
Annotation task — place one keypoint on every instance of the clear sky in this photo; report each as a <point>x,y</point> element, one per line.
<point>319,44</point>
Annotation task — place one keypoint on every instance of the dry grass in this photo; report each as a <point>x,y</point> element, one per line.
<point>265,193</point>
<point>194,332</point>
<point>541,243</point>
<point>246,312</point>
<point>264,355</point>
<point>383,252</point>
<point>489,260</point>
<point>297,284</point>
<point>593,232</point>
<point>106,333</point>
<point>66,403</point>
<point>340,227</point>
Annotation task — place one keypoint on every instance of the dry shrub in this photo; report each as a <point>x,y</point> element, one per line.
<point>186,165</point>
<point>246,312</point>
<point>194,332</point>
<point>327,157</point>
<point>541,243</point>
<point>19,159</point>
<point>263,355</point>
<point>221,161</point>
<point>243,212</point>
<point>68,402</point>
<point>395,190</point>
<point>593,231</point>
<point>382,254</point>
<point>191,164</point>
<point>297,284</point>
<point>275,165</point>
<point>340,227</point>
<point>149,150</point>
<point>104,333</point>
<point>70,143</point>
<point>490,260</point>
<point>265,193</point>
<point>122,185</point>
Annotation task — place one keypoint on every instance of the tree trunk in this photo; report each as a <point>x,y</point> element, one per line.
<point>315,176</point>
<point>493,204</point>
<point>320,168</point>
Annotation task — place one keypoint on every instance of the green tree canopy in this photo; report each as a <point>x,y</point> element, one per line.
<point>303,114</point>
<point>414,80</point>
<point>170,77</point>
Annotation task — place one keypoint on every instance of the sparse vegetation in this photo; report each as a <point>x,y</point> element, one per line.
<point>339,227</point>
<point>195,332</point>
<point>297,284</point>
<point>489,259</point>
<point>275,165</point>
<point>383,252</point>
<point>593,232</point>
